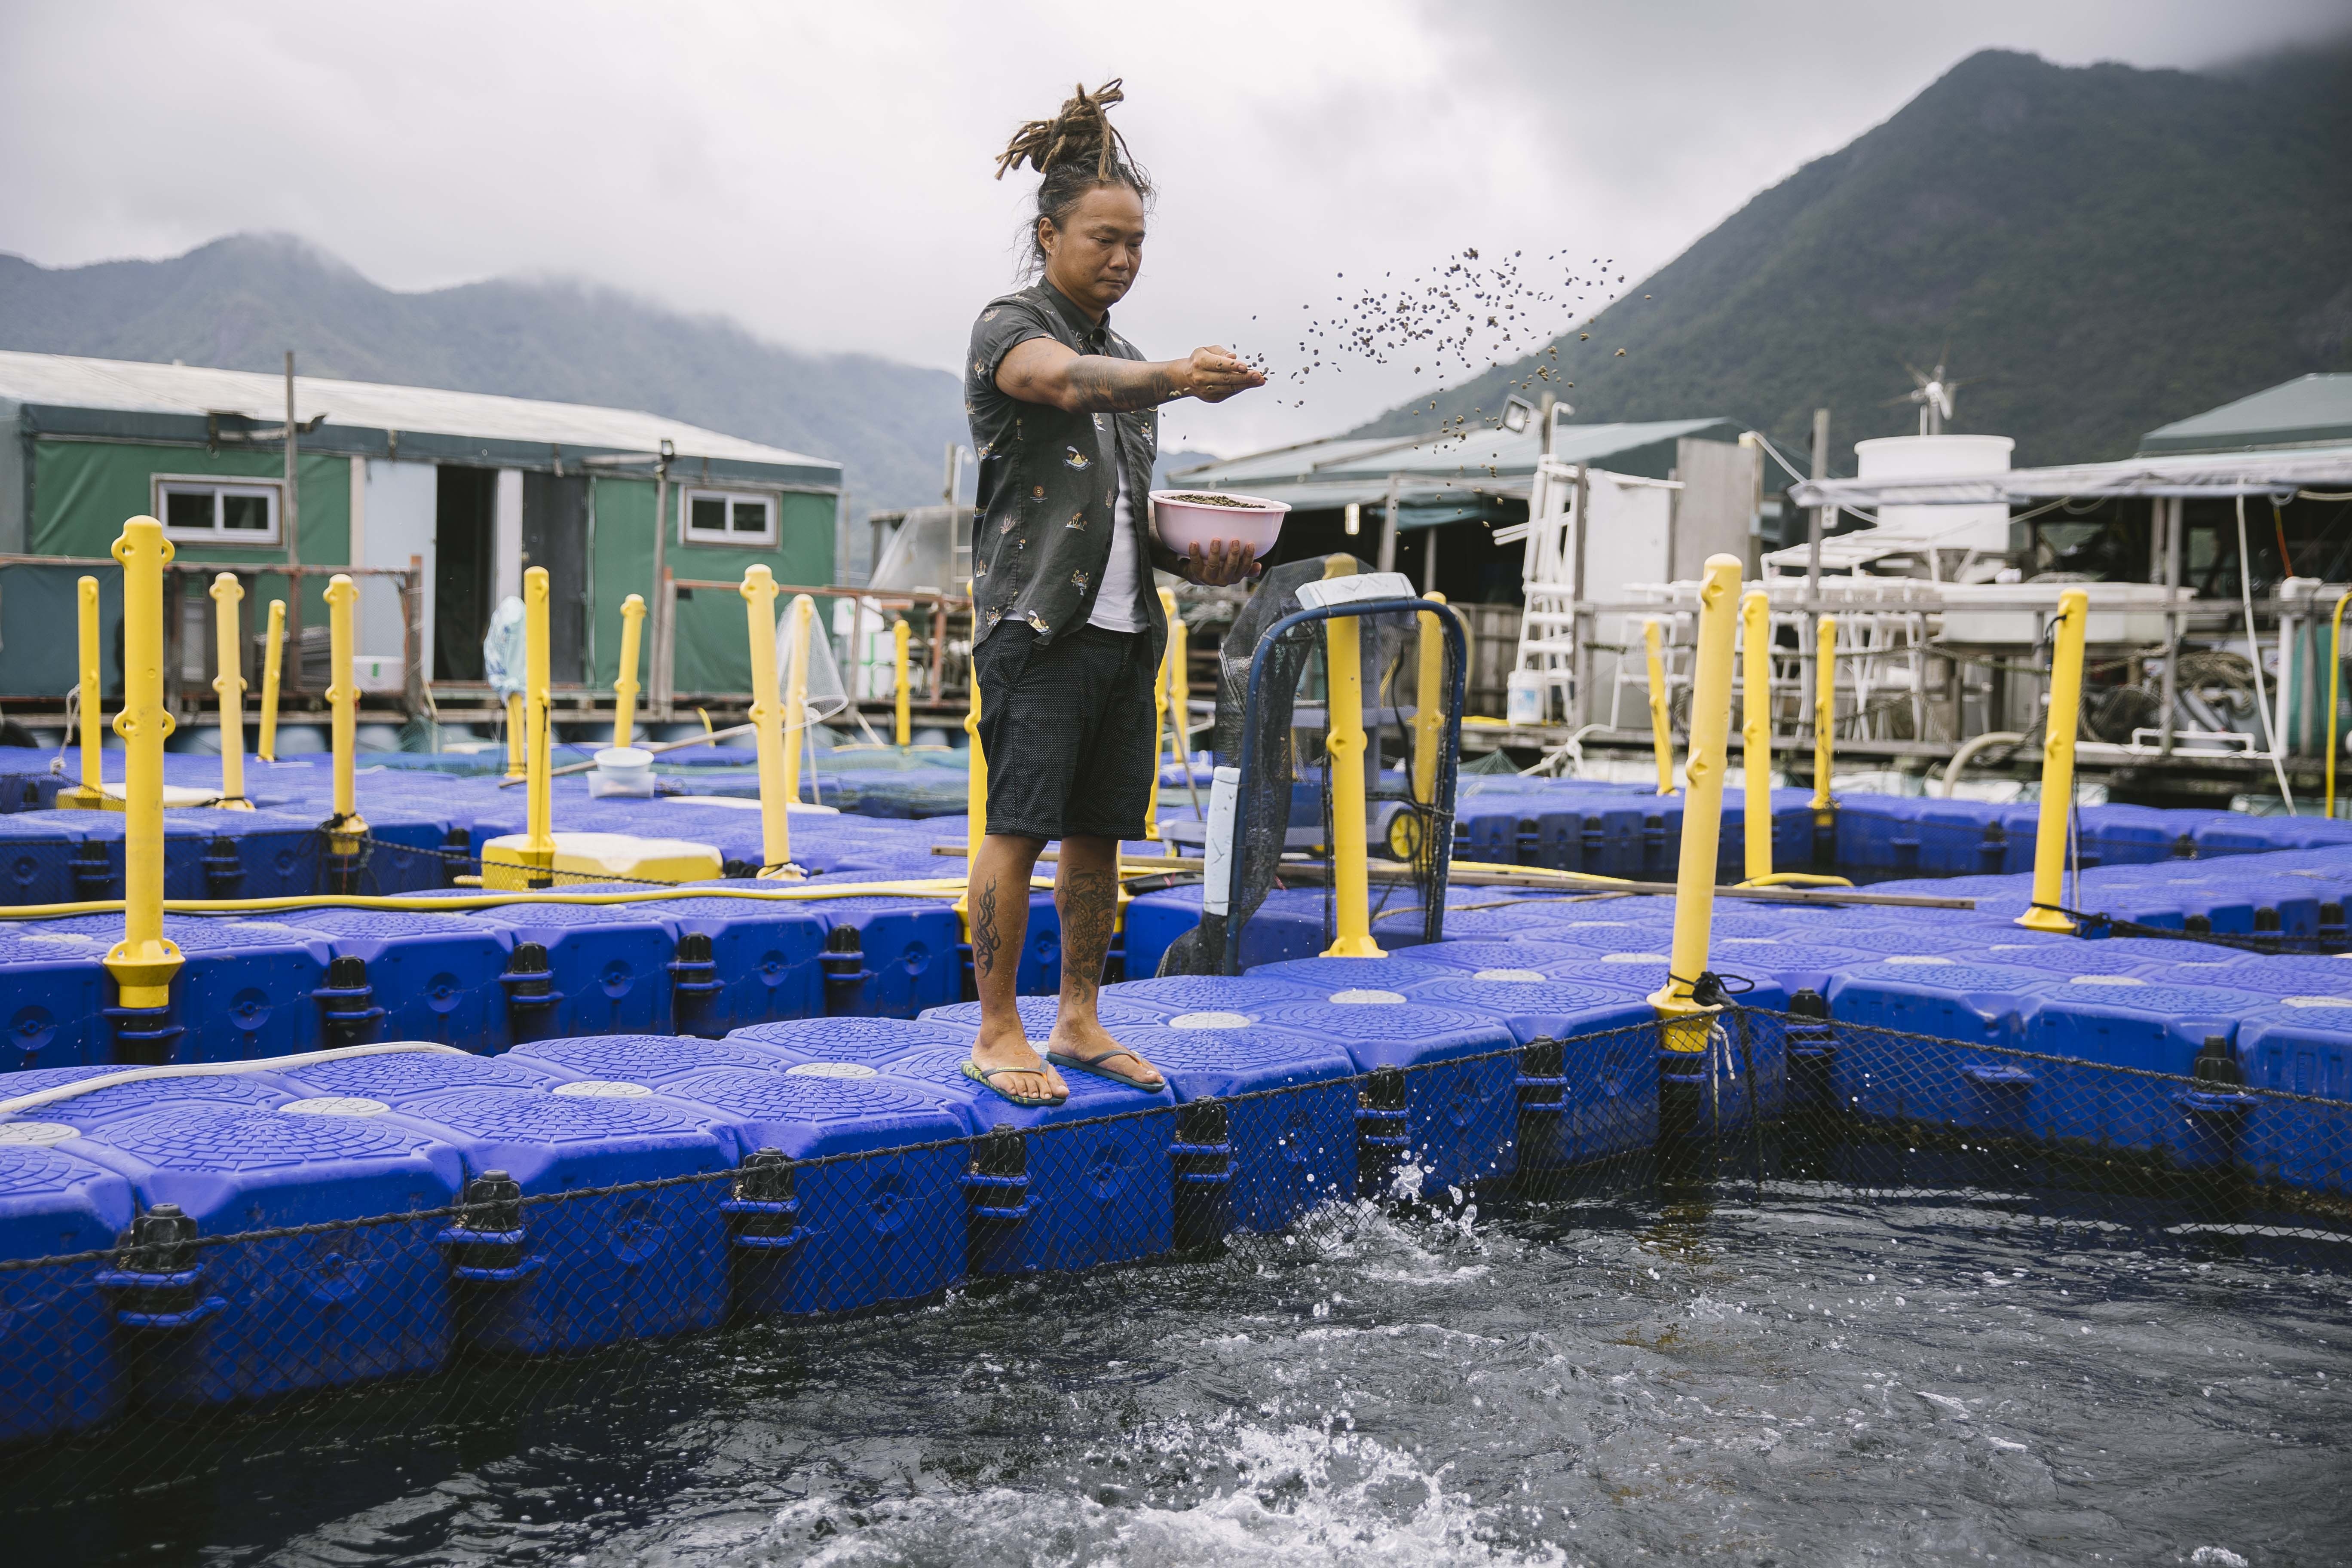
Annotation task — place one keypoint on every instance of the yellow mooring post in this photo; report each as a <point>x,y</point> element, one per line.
<point>2335,694</point>
<point>1180,686</point>
<point>143,961</point>
<point>975,800</point>
<point>759,591</point>
<point>1755,730</point>
<point>516,745</point>
<point>1343,745</point>
<point>1683,1023</point>
<point>539,760</point>
<point>273,650</point>
<point>90,794</point>
<point>346,829</point>
<point>1824,712</point>
<point>899,633</point>
<point>1661,727</point>
<point>1160,715</point>
<point>2058,767</point>
<point>1428,701</point>
<point>795,704</point>
<point>228,639</point>
<point>624,687</point>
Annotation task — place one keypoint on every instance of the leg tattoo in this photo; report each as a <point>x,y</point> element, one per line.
<point>986,939</point>
<point>1089,905</point>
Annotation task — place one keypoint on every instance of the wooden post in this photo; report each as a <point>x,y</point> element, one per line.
<point>1389,529</point>
<point>290,528</point>
<point>2173,531</point>
<point>1817,520</point>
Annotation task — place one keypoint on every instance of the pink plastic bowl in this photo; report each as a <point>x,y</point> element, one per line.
<point>1190,530</point>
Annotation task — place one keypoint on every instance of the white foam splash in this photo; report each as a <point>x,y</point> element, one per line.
<point>1306,1497</point>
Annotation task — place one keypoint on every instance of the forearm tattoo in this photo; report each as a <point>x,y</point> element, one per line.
<point>986,939</point>
<point>1104,385</point>
<point>1089,906</point>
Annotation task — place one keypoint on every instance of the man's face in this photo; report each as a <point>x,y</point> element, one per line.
<point>1096,254</point>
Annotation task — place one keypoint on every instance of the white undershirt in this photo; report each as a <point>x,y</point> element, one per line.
<point>1114,606</point>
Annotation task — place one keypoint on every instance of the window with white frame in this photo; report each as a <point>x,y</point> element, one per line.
<point>222,513</point>
<point>729,517</point>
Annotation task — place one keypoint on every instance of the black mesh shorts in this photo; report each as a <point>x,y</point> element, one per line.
<point>1068,730</point>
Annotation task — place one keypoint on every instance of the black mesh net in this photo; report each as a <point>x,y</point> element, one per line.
<point>1280,738</point>
<point>170,1360</point>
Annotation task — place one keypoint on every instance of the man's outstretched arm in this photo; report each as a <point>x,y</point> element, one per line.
<point>1044,371</point>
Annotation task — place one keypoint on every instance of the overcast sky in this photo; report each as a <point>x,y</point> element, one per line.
<point>822,173</point>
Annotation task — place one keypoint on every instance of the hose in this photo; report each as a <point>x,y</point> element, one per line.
<point>934,888</point>
<point>1969,748</point>
<point>62,1091</point>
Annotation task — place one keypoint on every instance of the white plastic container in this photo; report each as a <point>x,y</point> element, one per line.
<point>1523,698</point>
<point>1966,526</point>
<point>623,770</point>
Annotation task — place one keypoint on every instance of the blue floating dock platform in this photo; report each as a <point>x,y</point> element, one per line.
<point>59,1369</point>
<point>250,1320</point>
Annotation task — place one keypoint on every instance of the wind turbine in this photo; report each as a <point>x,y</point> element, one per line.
<point>1932,391</point>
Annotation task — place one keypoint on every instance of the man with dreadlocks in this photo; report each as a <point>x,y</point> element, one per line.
<point>1068,630</point>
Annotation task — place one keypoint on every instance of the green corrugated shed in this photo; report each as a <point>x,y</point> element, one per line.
<point>85,444</point>
<point>2309,411</point>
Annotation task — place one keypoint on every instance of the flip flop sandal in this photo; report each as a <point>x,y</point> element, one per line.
<point>985,1078</point>
<point>1095,1065</point>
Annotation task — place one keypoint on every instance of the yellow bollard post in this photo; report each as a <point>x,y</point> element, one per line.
<point>539,760</point>
<point>795,697</point>
<point>144,961</point>
<point>759,591</point>
<point>1685,1023</point>
<point>228,642</point>
<point>1343,744</point>
<point>1662,726</point>
<point>899,633</point>
<point>1756,731</point>
<point>1428,701</point>
<point>90,794</point>
<point>1179,684</point>
<point>1824,711</point>
<point>2335,695</point>
<point>273,650</point>
<point>975,792</point>
<point>346,828</point>
<point>516,745</point>
<point>1160,717</point>
<point>624,687</point>
<point>2058,767</point>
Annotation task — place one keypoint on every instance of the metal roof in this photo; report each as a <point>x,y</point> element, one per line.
<point>2211,474</point>
<point>1333,472</point>
<point>176,391</point>
<point>2310,410</point>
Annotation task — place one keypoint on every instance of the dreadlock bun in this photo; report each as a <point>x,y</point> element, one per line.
<point>1077,151</point>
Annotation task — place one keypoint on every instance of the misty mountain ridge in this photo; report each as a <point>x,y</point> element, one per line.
<point>239,303</point>
<point>2098,250</point>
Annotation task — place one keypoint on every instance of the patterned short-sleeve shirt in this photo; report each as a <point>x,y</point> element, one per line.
<point>1049,485</point>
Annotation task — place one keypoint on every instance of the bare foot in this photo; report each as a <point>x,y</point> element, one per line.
<point>1087,1040</point>
<point>1006,1046</point>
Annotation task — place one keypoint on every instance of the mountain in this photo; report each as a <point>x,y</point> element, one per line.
<point>239,304</point>
<point>2102,249</point>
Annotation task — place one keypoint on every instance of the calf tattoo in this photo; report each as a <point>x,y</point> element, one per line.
<point>1089,906</point>
<point>986,939</point>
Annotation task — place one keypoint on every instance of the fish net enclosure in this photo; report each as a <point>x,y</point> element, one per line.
<point>1272,726</point>
<point>1568,1261</point>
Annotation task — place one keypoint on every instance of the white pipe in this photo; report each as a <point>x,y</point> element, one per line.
<point>64,1092</point>
<point>2254,649</point>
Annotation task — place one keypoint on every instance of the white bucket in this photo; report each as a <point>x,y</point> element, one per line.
<point>1524,697</point>
<point>623,770</point>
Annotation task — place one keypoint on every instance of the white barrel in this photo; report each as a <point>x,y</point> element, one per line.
<point>1216,882</point>
<point>1939,457</point>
